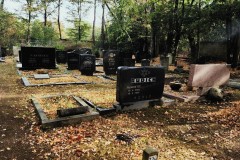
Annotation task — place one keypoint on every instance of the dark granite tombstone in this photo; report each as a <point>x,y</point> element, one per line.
<point>145,62</point>
<point>87,64</point>
<point>73,60</point>
<point>20,55</point>
<point>83,51</point>
<point>38,57</point>
<point>110,61</point>
<point>129,62</point>
<point>139,83</point>
<point>61,57</point>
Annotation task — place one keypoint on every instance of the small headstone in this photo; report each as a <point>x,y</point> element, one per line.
<point>38,57</point>
<point>41,76</point>
<point>145,62</point>
<point>150,154</point>
<point>61,57</point>
<point>164,62</point>
<point>110,61</point>
<point>208,75</point>
<point>139,83</point>
<point>87,64</point>
<point>73,60</point>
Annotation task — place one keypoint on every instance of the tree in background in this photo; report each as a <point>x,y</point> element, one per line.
<point>73,33</point>
<point>76,10</point>
<point>42,35</point>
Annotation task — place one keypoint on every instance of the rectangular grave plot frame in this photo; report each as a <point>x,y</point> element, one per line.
<point>62,121</point>
<point>28,84</point>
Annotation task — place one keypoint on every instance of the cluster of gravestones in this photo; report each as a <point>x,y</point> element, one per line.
<point>133,83</point>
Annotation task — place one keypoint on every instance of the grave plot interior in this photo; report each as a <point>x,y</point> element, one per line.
<point>59,110</point>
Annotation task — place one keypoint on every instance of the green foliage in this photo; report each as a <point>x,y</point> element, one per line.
<point>83,31</point>
<point>42,35</point>
<point>11,29</point>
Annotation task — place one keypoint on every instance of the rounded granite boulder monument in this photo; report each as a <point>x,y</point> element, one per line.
<point>215,94</point>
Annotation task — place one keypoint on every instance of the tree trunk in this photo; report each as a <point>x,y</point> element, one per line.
<point>29,3</point>
<point>59,24</point>
<point>229,33</point>
<point>235,49</point>
<point>79,19</point>
<point>102,28</point>
<point>45,13</point>
<point>193,47</point>
<point>94,21</point>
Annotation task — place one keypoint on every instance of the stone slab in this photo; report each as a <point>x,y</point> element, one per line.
<point>62,121</point>
<point>41,76</point>
<point>208,75</point>
<point>182,98</point>
<point>234,83</point>
<point>28,84</point>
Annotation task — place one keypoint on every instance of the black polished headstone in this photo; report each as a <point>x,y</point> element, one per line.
<point>139,83</point>
<point>61,57</point>
<point>145,62</point>
<point>129,62</point>
<point>73,60</point>
<point>87,64</point>
<point>110,61</point>
<point>38,57</point>
<point>20,55</point>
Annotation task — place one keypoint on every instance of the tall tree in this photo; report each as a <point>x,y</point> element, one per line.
<point>58,19</point>
<point>94,21</point>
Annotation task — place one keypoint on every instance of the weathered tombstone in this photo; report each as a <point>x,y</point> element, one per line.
<point>145,62</point>
<point>73,60</point>
<point>61,57</point>
<point>85,51</point>
<point>87,64</point>
<point>129,62</point>
<point>139,83</point>
<point>38,57</point>
<point>150,154</point>
<point>110,61</point>
<point>41,76</point>
<point>208,75</point>
<point>164,62</point>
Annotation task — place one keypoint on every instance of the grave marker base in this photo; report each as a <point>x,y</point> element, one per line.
<point>62,121</point>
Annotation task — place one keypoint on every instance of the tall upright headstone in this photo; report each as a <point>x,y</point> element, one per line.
<point>61,56</point>
<point>110,61</point>
<point>73,60</point>
<point>139,83</point>
<point>87,64</point>
<point>38,57</point>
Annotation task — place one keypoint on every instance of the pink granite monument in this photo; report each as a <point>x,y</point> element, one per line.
<point>208,75</point>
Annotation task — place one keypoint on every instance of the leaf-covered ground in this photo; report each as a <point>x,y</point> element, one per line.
<point>201,130</point>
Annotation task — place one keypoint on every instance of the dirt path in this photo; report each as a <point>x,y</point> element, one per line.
<point>13,127</point>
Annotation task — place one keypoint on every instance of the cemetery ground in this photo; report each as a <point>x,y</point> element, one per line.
<point>200,130</point>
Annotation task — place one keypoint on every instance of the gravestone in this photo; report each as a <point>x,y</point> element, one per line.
<point>61,57</point>
<point>110,61</point>
<point>150,154</point>
<point>145,62</point>
<point>38,57</point>
<point>139,83</point>
<point>164,62</point>
<point>208,75</point>
<point>87,64</point>
<point>20,55</point>
<point>129,62</point>
<point>73,60</point>
<point>83,51</point>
